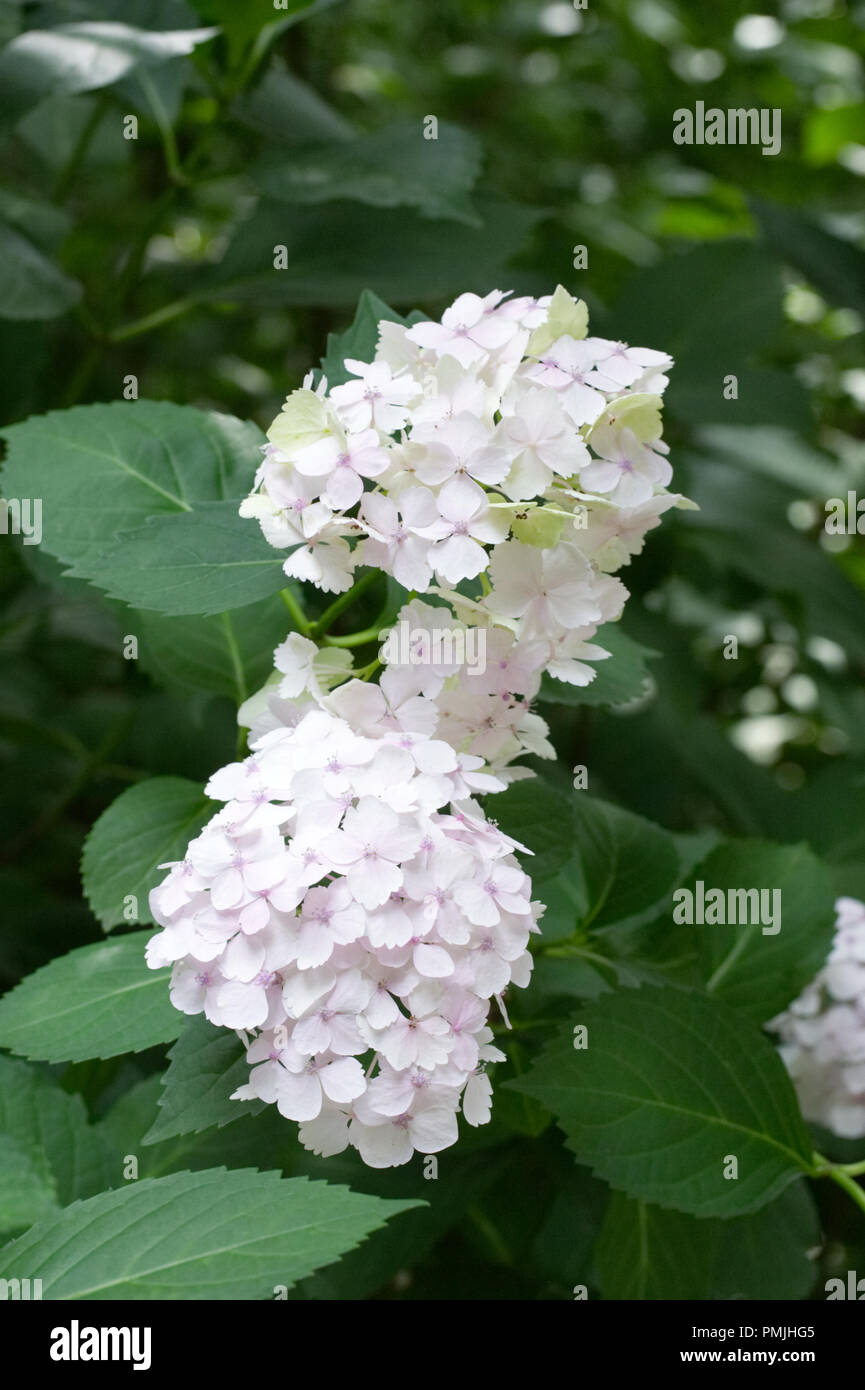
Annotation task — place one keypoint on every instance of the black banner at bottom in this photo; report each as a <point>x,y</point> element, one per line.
<point>82,1339</point>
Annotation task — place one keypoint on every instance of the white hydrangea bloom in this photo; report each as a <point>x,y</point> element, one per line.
<point>823,1032</point>
<point>501,427</point>
<point>353,911</point>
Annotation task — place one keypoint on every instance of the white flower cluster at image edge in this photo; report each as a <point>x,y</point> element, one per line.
<point>822,1034</point>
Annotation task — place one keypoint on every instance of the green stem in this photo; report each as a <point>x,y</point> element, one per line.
<point>69,173</point>
<point>131,272</point>
<point>371,669</point>
<point>354,639</point>
<point>489,1233</point>
<point>339,605</point>
<point>80,379</point>
<point>154,320</point>
<point>853,1190</point>
<point>843,1176</point>
<point>301,622</point>
<point>236,659</point>
<point>166,129</point>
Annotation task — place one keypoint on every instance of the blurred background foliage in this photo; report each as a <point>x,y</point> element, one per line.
<point>261,126</point>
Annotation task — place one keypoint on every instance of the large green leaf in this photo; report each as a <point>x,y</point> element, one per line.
<point>206,1235</point>
<point>51,1129</point>
<point>229,653</point>
<point>103,469</point>
<point>540,817</point>
<point>391,168</point>
<point>758,541</point>
<point>287,111</point>
<point>710,307</point>
<point>765,396</point>
<point>670,1085</point>
<point>751,966</point>
<point>264,1139</point>
<point>780,454</point>
<point>31,286</point>
<point>206,1065</point>
<point>98,1001</point>
<point>26,1190</point>
<point>334,251</point>
<point>149,824</point>
<point>81,57</point>
<point>628,864</point>
<point>200,562</point>
<point>646,1252</point>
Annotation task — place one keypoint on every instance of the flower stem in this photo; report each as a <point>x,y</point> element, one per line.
<point>852,1188</point>
<point>843,1176</point>
<point>339,605</point>
<point>354,639</point>
<point>154,320</point>
<point>301,622</point>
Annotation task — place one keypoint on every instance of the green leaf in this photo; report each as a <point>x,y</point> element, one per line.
<point>148,825</point>
<point>621,677</point>
<point>51,1127</point>
<point>711,307</point>
<point>758,542</point>
<point>835,267</point>
<point>646,1252</point>
<point>334,251</point>
<point>289,112</point>
<point>26,1191</point>
<point>257,20</point>
<point>393,167</point>
<point>207,1235</point>
<point>779,454</point>
<point>765,396</point>
<point>263,1139</point>
<point>541,818</point>
<point>43,223</point>
<point>200,562</point>
<point>98,1001</point>
<point>628,864</point>
<point>359,341</point>
<point>104,469</point>
<point>670,1084</point>
<point>205,1065</point>
<point>826,131</point>
<point>752,967</point>
<point>229,653</point>
<point>80,58</point>
<point>31,286</point>
<point>563,1245</point>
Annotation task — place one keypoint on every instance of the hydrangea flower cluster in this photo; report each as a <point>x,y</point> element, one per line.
<point>350,911</point>
<point>823,1031</point>
<point>362,950</point>
<point>502,445</point>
